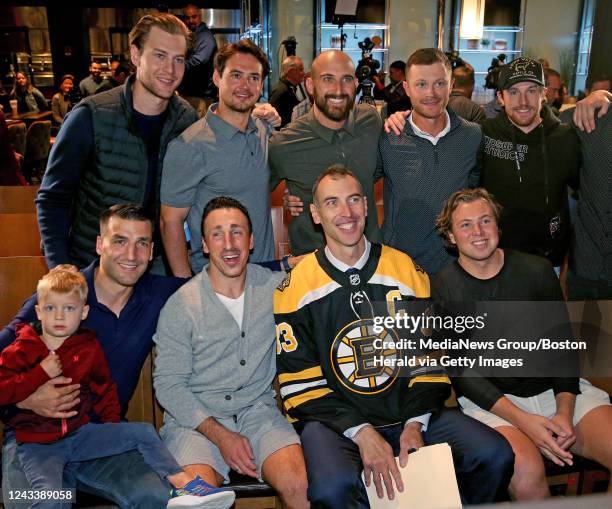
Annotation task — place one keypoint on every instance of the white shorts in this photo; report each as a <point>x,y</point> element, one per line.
<point>263,424</point>
<point>541,404</point>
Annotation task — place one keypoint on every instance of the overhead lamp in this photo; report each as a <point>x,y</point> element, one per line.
<point>472,19</point>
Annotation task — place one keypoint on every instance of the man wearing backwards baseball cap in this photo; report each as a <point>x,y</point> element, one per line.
<point>528,159</point>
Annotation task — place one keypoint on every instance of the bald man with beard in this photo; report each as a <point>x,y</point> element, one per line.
<point>334,131</point>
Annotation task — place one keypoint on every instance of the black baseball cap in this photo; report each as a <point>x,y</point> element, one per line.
<point>520,69</point>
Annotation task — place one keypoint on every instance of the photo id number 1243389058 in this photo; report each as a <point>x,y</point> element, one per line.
<point>29,496</point>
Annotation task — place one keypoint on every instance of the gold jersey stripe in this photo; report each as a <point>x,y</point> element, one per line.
<point>300,399</point>
<point>429,379</point>
<point>305,374</point>
<point>401,267</point>
<point>308,281</point>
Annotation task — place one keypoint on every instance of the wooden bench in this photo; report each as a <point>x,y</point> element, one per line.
<point>18,278</point>
<point>17,199</point>
<point>19,234</point>
<point>281,237</point>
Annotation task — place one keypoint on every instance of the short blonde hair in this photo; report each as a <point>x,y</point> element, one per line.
<point>428,56</point>
<point>63,279</point>
<point>444,221</point>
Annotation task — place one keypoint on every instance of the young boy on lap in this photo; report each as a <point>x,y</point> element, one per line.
<point>47,446</point>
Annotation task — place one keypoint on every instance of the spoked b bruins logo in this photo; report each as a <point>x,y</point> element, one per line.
<point>357,363</point>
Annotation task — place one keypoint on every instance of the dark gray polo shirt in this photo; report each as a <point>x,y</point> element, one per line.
<point>213,158</point>
<point>305,148</point>
<point>419,177</point>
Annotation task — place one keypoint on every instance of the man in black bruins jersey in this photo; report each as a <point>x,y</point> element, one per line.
<point>352,415</point>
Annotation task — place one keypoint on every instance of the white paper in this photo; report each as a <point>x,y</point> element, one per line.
<point>429,482</point>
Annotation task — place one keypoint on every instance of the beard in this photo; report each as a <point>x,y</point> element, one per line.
<point>335,113</point>
<point>149,87</point>
<point>239,100</point>
<point>241,107</point>
<point>525,120</point>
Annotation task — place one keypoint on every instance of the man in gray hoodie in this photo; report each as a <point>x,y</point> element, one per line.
<point>216,363</point>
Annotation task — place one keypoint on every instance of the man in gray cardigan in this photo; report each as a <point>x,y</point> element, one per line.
<point>216,363</point>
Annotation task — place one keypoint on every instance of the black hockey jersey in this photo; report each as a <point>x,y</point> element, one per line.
<point>325,343</point>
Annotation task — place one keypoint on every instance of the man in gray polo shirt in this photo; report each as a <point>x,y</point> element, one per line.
<point>224,153</point>
<point>332,132</point>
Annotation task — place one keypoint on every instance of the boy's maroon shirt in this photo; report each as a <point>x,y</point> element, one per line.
<point>82,360</point>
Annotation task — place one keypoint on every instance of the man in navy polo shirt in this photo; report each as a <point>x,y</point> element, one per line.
<point>124,302</point>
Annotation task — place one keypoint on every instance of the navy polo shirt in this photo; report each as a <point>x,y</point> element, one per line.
<point>126,339</point>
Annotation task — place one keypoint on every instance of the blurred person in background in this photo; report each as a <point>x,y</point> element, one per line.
<point>29,98</point>
<point>117,77</point>
<point>304,106</point>
<point>593,83</point>
<point>284,94</point>
<point>554,90</point>
<point>10,173</point>
<point>394,93</point>
<point>91,84</point>
<point>460,100</point>
<point>197,87</point>
<point>61,102</point>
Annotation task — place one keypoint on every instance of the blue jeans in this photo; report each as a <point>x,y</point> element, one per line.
<point>122,477</point>
<point>482,457</point>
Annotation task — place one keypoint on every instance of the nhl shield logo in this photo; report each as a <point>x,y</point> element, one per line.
<point>354,279</point>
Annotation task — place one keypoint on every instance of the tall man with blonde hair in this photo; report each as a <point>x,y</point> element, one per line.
<point>111,146</point>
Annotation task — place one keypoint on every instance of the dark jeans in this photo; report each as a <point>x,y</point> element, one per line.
<point>482,457</point>
<point>124,478</point>
<point>580,288</point>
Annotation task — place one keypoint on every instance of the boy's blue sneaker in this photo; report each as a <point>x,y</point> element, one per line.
<point>200,494</point>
